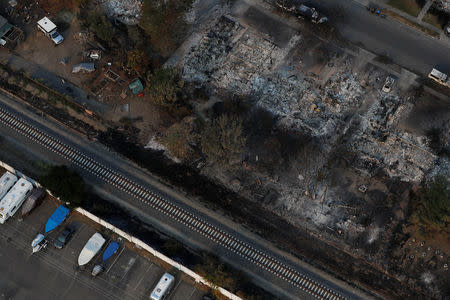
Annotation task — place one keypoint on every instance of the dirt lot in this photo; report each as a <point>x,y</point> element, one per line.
<point>41,50</point>
<point>60,59</point>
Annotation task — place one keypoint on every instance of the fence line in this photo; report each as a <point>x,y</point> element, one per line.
<point>131,239</point>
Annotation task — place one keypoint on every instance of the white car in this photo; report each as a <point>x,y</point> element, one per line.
<point>388,84</point>
<point>56,37</point>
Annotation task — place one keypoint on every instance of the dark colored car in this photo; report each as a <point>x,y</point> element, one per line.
<point>64,237</point>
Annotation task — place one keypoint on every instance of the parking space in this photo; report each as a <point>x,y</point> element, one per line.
<point>54,273</point>
<point>182,291</point>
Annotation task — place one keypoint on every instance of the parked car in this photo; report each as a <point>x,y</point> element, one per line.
<point>447,29</point>
<point>388,84</point>
<point>311,14</point>
<point>64,237</point>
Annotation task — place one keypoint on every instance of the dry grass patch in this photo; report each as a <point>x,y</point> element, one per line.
<point>405,21</point>
<point>410,7</point>
<point>432,20</point>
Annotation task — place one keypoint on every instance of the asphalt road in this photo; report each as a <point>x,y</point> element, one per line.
<point>115,162</point>
<point>406,46</point>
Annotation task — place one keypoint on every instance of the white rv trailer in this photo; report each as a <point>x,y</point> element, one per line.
<point>163,287</point>
<point>50,30</point>
<point>14,199</point>
<point>6,182</point>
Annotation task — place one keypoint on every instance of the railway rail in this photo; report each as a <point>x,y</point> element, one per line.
<point>177,213</point>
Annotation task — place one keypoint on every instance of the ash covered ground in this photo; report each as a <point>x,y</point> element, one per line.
<point>342,155</point>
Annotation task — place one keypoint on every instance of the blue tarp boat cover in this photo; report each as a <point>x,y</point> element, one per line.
<point>110,250</point>
<point>56,218</point>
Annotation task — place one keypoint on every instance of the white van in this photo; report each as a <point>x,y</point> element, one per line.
<point>14,199</point>
<point>49,29</point>
<point>163,287</point>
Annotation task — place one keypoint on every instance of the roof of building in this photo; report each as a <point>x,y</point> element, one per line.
<point>4,26</point>
<point>136,86</point>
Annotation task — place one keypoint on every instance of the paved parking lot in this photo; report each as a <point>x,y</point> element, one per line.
<point>54,274</point>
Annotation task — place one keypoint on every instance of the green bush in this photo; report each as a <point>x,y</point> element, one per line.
<point>164,87</point>
<point>163,20</point>
<point>223,140</point>
<point>431,207</point>
<point>99,24</point>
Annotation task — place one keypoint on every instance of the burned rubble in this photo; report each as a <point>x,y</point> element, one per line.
<point>125,11</point>
<point>356,190</point>
<point>235,58</point>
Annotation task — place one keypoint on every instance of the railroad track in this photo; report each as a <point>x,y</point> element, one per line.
<point>171,210</point>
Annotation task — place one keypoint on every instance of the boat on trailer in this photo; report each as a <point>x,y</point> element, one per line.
<point>92,247</point>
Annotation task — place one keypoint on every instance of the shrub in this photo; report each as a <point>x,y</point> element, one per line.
<point>99,24</point>
<point>215,272</point>
<point>223,140</point>
<point>431,207</point>
<point>163,20</point>
<point>164,87</point>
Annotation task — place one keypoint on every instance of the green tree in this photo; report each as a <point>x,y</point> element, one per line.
<point>431,207</point>
<point>163,20</point>
<point>63,183</point>
<point>99,24</point>
<point>223,140</point>
<point>164,87</point>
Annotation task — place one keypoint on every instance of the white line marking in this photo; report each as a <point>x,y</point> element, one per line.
<point>123,248</point>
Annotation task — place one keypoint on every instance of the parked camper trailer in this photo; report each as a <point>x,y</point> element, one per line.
<point>163,287</point>
<point>14,199</point>
<point>6,182</point>
<point>49,29</point>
